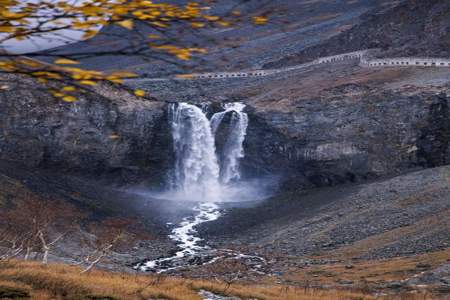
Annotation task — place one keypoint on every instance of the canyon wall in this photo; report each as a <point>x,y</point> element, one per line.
<point>125,140</point>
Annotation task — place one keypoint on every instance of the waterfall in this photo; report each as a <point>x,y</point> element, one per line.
<point>234,147</point>
<point>196,171</point>
<point>198,174</point>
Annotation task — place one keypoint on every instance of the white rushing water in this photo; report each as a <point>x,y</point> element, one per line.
<point>234,148</point>
<point>191,252</point>
<point>199,176</point>
<point>196,171</point>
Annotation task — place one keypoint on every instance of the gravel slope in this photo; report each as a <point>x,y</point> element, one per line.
<point>404,215</point>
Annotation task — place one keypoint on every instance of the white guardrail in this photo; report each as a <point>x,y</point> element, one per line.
<point>362,56</point>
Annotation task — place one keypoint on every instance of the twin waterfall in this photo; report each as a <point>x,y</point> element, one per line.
<point>200,173</point>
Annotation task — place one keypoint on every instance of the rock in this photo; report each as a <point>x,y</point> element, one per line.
<point>445,280</point>
<point>111,135</point>
<point>345,282</point>
<point>395,285</point>
<point>348,267</point>
<point>423,266</point>
<point>206,295</point>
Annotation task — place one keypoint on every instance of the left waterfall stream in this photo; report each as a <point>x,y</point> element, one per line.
<point>199,176</point>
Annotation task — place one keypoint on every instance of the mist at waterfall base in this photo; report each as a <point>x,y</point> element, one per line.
<point>202,173</point>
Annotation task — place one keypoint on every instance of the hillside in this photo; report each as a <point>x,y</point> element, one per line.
<point>412,28</point>
<point>293,26</point>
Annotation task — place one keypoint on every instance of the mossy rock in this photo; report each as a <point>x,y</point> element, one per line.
<point>13,293</point>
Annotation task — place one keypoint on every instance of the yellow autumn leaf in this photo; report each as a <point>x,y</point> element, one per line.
<point>184,56</point>
<point>7,29</point>
<point>114,79</point>
<point>211,18</point>
<point>30,63</point>
<point>89,34</point>
<point>159,24</point>
<point>260,20</point>
<point>197,25</point>
<point>88,82</point>
<point>139,93</point>
<point>81,25</point>
<point>45,74</point>
<point>128,24</point>
<point>69,99</point>
<point>68,88</point>
<point>65,61</point>
<point>123,74</point>
<point>11,15</point>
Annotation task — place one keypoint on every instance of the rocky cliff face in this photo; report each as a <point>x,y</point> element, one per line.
<point>321,143</point>
<point>110,135</point>
<point>347,133</point>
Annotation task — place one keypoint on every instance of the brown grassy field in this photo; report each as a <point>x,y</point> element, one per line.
<point>58,281</point>
<point>367,272</point>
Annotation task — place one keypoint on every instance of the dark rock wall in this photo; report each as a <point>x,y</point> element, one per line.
<point>434,141</point>
<point>121,139</point>
<point>344,141</point>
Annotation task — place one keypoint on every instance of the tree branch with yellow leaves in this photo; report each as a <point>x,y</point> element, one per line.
<point>41,19</point>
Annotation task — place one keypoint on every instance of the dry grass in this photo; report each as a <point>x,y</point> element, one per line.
<point>281,292</point>
<point>368,272</point>
<point>58,281</point>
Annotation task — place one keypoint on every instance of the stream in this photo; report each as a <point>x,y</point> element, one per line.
<point>193,249</point>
